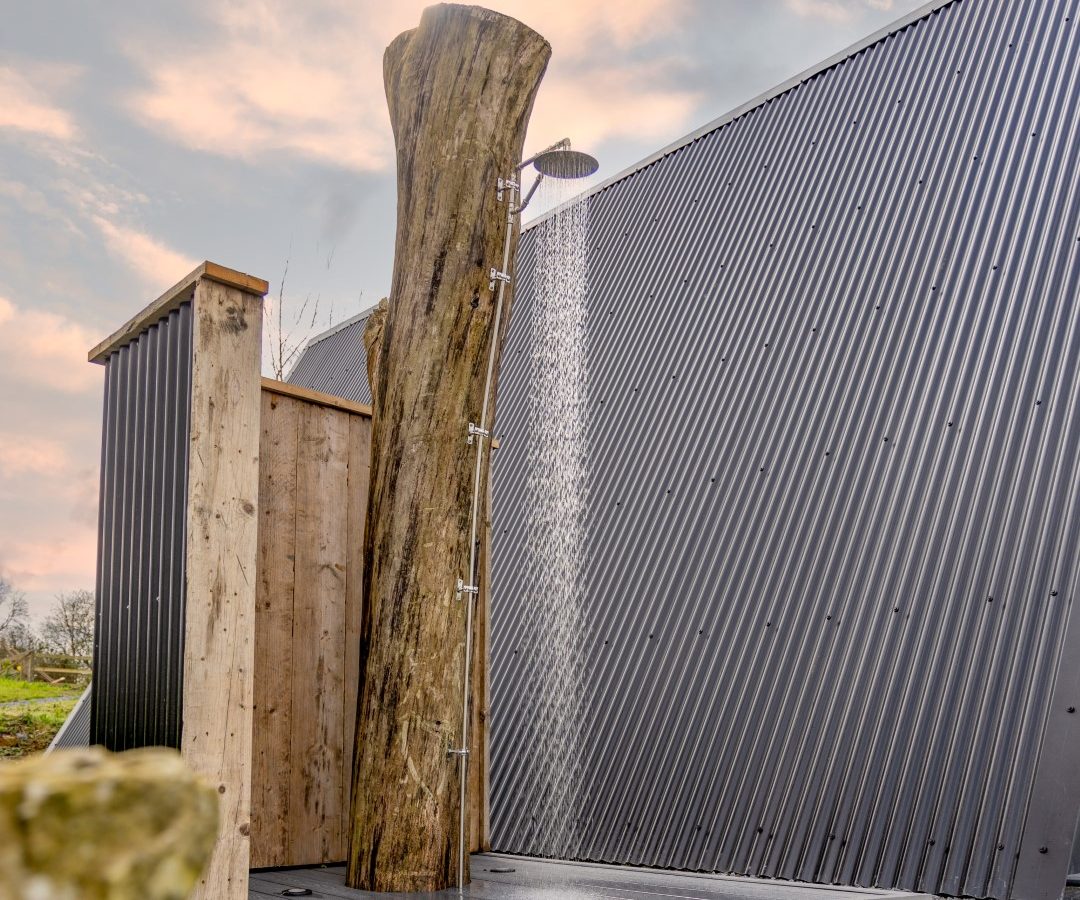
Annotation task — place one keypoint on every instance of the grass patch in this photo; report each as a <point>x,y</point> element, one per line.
<point>27,728</point>
<point>15,689</point>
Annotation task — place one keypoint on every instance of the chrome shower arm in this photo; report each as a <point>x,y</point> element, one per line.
<point>529,195</point>
<point>564,144</point>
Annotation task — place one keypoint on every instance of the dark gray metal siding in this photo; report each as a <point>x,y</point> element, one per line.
<point>336,364</point>
<point>75,732</point>
<point>834,535</point>
<point>138,648</point>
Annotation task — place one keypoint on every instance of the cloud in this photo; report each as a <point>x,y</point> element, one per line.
<point>836,11</point>
<point>24,455</point>
<point>306,79</point>
<point>147,257</point>
<point>45,349</point>
<point>562,109</point>
<point>49,450</point>
<point>25,107</point>
<point>829,10</point>
<point>65,558</point>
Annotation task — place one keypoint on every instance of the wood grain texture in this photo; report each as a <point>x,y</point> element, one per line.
<point>286,389</point>
<point>460,88</point>
<point>319,632</point>
<point>222,532</point>
<point>313,490</point>
<point>271,823</point>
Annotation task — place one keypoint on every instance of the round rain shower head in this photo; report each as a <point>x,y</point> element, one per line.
<point>565,164</point>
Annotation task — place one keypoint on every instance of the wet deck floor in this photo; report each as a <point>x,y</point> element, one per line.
<point>533,879</point>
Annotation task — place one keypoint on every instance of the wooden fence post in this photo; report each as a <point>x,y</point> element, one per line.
<point>209,514</point>
<point>222,546</point>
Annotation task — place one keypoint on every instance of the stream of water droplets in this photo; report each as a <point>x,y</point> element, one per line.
<point>557,494</point>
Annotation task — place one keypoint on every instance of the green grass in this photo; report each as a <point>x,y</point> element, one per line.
<point>27,728</point>
<point>14,689</point>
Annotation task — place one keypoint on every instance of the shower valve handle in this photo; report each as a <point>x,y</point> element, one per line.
<point>503,185</point>
<point>475,430</point>
<point>463,588</point>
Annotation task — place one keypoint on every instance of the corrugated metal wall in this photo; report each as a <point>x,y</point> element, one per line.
<point>138,646</point>
<point>75,732</point>
<point>336,363</point>
<point>834,535</point>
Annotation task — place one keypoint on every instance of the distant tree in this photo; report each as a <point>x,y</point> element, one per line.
<point>12,612</point>
<point>69,627</point>
<point>21,638</point>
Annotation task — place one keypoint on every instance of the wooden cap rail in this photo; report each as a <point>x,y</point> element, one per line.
<point>179,293</point>
<point>302,393</point>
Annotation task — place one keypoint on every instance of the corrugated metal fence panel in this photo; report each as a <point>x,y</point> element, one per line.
<point>833,536</point>
<point>75,732</point>
<point>138,645</point>
<point>336,364</point>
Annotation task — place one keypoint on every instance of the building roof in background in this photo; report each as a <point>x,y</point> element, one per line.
<point>335,361</point>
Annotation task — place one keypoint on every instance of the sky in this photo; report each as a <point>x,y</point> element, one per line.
<point>137,139</point>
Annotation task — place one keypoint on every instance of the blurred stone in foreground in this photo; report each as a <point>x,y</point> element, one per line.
<point>94,825</point>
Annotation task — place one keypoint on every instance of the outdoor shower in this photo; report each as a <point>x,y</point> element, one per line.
<point>557,161</point>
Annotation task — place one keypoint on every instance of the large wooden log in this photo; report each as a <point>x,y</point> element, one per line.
<point>460,89</point>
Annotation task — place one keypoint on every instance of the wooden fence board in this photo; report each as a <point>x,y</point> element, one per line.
<point>270,822</point>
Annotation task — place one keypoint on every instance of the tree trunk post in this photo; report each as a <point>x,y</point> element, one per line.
<point>460,88</point>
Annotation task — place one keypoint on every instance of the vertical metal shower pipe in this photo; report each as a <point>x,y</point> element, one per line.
<point>470,595</point>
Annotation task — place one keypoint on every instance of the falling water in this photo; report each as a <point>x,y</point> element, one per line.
<point>557,497</point>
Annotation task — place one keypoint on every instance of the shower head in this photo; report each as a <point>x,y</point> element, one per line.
<point>557,161</point>
<point>562,162</point>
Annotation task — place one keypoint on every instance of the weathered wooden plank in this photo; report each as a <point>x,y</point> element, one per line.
<point>359,478</point>
<point>270,821</point>
<point>303,393</point>
<point>316,792</point>
<point>223,493</point>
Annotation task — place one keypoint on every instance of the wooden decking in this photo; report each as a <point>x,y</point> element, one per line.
<point>497,877</point>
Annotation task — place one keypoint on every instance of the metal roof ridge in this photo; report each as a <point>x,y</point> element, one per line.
<point>922,12</point>
<point>344,323</point>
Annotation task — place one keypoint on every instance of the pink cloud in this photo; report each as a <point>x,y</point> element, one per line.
<point>283,78</point>
<point>151,260</point>
<point>45,349</point>
<point>25,107</point>
<point>48,535</point>
<point>562,109</point>
<point>65,558</point>
<point>24,455</point>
